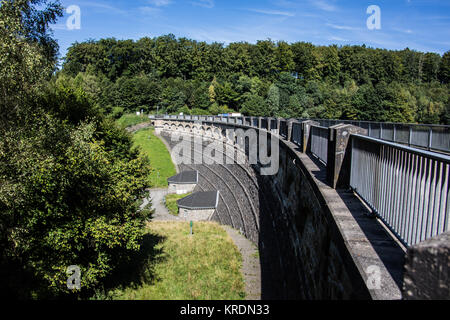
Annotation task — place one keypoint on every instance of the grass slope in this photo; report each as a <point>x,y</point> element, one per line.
<point>204,266</point>
<point>128,120</point>
<point>158,154</point>
<point>171,202</point>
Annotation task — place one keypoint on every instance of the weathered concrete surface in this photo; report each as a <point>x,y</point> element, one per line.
<point>427,270</point>
<point>181,188</point>
<point>339,154</point>
<point>196,214</point>
<point>332,242</point>
<point>314,242</point>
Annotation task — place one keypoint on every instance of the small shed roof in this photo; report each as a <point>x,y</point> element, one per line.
<point>185,177</point>
<point>200,200</point>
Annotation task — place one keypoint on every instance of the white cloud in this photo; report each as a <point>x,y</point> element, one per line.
<point>274,12</point>
<point>339,27</point>
<point>149,10</point>
<point>204,3</point>
<point>408,31</point>
<point>160,3</point>
<point>337,39</point>
<point>102,6</point>
<point>324,5</point>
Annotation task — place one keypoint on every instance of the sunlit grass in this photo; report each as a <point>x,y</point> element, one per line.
<point>202,266</point>
<point>130,119</point>
<point>156,151</point>
<point>171,202</point>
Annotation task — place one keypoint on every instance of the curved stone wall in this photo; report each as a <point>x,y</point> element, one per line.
<point>313,242</point>
<point>239,202</point>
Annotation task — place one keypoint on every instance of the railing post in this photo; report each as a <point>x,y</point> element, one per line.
<point>410,136</point>
<point>430,138</point>
<point>289,129</point>
<point>270,127</point>
<point>306,127</point>
<point>339,154</point>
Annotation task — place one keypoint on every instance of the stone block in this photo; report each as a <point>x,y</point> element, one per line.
<point>427,270</point>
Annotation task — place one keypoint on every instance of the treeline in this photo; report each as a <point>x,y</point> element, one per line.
<point>264,79</point>
<point>70,181</point>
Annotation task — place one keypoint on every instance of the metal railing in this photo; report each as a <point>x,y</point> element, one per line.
<point>273,124</point>
<point>407,188</point>
<point>427,136</point>
<point>283,129</point>
<point>319,143</point>
<point>297,133</point>
<point>264,123</point>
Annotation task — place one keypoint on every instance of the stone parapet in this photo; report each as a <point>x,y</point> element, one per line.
<point>427,270</point>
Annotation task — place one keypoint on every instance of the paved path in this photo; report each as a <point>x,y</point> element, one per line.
<point>251,267</point>
<point>161,213</point>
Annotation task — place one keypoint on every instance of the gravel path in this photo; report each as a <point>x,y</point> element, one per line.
<point>161,212</point>
<point>251,268</point>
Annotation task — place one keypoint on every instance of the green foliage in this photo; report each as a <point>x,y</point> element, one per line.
<point>254,105</point>
<point>129,120</point>
<point>216,109</point>
<point>444,68</point>
<point>205,266</point>
<point>273,100</point>
<point>170,201</point>
<point>149,145</point>
<point>263,79</point>
<point>27,52</point>
<point>69,179</point>
<point>65,200</point>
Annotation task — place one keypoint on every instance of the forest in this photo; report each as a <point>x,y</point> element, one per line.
<point>292,80</point>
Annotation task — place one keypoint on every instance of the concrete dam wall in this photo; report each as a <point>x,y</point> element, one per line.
<point>314,242</point>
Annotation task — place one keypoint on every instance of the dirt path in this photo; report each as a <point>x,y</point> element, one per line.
<point>251,268</point>
<point>156,196</point>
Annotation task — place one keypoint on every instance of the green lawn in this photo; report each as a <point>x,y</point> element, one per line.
<point>204,266</point>
<point>171,202</point>
<point>158,154</point>
<point>130,119</point>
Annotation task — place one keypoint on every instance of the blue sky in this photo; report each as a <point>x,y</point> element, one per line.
<point>421,25</point>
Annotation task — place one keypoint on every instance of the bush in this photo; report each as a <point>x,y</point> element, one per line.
<point>117,112</point>
<point>65,200</point>
<point>129,120</point>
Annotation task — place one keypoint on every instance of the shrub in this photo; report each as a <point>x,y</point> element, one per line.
<point>65,200</point>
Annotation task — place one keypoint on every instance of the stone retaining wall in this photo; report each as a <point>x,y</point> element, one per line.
<point>313,242</point>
